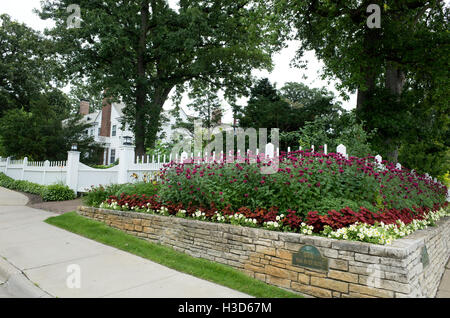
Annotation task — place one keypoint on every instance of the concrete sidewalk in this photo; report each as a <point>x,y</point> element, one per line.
<point>444,287</point>
<point>38,260</point>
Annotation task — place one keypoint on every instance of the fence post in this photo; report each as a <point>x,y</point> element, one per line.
<point>269,151</point>
<point>44,173</point>
<point>7,163</point>
<point>126,160</point>
<point>342,150</point>
<point>73,160</point>
<point>24,166</point>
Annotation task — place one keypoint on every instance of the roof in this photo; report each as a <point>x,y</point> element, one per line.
<point>91,117</point>
<point>120,106</point>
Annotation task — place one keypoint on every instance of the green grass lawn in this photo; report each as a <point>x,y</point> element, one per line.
<point>201,268</point>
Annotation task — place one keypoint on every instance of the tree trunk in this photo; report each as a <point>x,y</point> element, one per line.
<point>370,72</point>
<point>395,80</point>
<point>156,106</point>
<point>141,87</point>
<point>364,94</point>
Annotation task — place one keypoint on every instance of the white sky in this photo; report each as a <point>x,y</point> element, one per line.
<point>21,10</point>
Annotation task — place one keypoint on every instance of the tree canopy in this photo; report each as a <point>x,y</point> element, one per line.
<point>45,132</point>
<point>400,69</point>
<point>27,67</point>
<point>288,109</point>
<point>140,50</point>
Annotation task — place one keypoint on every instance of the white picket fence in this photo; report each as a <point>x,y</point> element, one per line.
<point>81,177</point>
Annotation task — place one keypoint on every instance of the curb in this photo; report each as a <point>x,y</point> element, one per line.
<point>14,284</point>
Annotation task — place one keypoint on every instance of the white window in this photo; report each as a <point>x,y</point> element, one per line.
<point>113,156</point>
<point>114,130</point>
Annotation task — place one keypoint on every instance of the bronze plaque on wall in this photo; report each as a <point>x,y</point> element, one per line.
<point>425,259</point>
<point>309,256</point>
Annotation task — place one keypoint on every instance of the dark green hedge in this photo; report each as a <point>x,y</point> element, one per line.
<point>54,192</point>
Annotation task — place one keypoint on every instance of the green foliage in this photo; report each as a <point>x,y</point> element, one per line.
<point>105,166</point>
<point>288,109</point>
<point>265,108</point>
<point>330,203</point>
<point>333,131</point>
<point>58,192</point>
<point>305,182</point>
<point>208,108</point>
<point>445,179</point>
<point>26,65</point>
<point>55,192</point>
<point>20,185</point>
<point>40,133</point>
<point>139,188</point>
<point>97,195</point>
<point>400,70</point>
<point>147,43</point>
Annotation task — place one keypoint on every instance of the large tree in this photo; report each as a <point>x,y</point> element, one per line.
<point>266,109</point>
<point>409,49</point>
<point>140,50</point>
<point>45,132</point>
<point>287,109</point>
<point>27,67</point>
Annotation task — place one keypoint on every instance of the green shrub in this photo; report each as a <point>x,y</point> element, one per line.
<point>140,188</point>
<point>21,185</point>
<point>97,195</point>
<point>58,192</point>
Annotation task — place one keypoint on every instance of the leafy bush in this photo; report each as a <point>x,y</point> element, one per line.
<point>97,195</point>
<point>105,166</point>
<point>58,192</point>
<point>333,131</point>
<point>306,181</point>
<point>140,188</point>
<point>21,185</point>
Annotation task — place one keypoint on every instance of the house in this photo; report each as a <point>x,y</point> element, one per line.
<point>106,127</point>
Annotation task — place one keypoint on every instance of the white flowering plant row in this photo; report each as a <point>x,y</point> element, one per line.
<point>379,233</point>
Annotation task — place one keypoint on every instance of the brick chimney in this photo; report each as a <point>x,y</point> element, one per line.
<point>105,128</point>
<point>84,107</point>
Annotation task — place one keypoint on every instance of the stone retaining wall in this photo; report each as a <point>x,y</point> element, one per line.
<point>410,267</point>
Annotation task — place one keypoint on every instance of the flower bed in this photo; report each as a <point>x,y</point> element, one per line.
<point>312,193</point>
<point>305,181</point>
<point>382,228</point>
